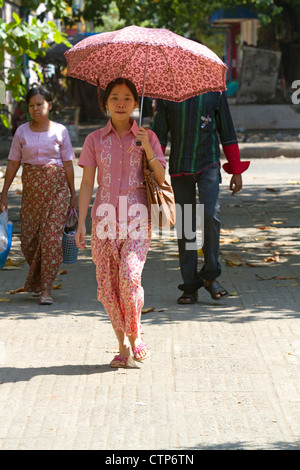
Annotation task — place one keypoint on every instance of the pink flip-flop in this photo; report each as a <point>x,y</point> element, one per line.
<point>141,347</point>
<point>120,361</point>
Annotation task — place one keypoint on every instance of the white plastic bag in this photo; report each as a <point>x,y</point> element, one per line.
<point>3,231</point>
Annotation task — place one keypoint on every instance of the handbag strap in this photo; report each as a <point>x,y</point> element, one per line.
<point>145,161</point>
<point>73,211</point>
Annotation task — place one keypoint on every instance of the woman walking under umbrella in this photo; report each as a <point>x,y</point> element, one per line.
<point>121,233</point>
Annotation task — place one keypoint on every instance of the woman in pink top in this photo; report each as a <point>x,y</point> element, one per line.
<point>121,233</point>
<point>44,149</point>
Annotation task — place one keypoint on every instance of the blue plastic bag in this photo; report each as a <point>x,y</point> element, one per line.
<point>6,231</point>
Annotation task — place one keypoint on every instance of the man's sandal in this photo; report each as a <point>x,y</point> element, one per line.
<point>216,291</point>
<point>141,347</point>
<point>119,361</point>
<point>188,298</point>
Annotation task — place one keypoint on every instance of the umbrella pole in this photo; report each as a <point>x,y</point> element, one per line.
<point>142,99</point>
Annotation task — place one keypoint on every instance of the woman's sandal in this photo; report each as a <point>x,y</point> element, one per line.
<point>119,361</point>
<point>141,347</point>
<point>216,291</point>
<point>46,300</point>
<point>188,298</point>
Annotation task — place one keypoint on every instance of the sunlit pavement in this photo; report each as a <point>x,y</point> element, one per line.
<point>222,375</point>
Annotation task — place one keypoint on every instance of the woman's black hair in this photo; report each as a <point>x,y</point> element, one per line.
<point>39,90</point>
<point>118,81</point>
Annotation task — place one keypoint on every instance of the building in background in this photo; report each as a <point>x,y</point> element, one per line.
<point>240,26</point>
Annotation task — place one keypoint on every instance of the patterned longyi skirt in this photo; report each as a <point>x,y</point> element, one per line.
<point>45,201</point>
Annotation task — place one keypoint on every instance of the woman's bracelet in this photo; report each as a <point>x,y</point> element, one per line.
<point>152,159</point>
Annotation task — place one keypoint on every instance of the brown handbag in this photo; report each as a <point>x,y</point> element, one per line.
<point>161,200</point>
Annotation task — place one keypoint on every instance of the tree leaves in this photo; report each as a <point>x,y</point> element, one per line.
<point>19,37</point>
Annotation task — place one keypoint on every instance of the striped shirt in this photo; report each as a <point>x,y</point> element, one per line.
<point>196,126</point>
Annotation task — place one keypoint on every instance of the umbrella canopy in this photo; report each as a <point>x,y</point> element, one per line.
<point>160,63</point>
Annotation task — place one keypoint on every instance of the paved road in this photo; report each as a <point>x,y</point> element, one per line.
<point>222,375</point>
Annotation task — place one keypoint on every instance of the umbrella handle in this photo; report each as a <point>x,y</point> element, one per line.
<point>138,143</point>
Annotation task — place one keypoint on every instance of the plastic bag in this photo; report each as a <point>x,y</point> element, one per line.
<point>5,237</point>
<point>3,231</point>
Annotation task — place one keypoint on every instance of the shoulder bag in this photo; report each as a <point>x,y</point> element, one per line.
<point>161,200</point>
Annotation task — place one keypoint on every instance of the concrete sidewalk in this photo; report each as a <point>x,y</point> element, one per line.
<point>222,375</point>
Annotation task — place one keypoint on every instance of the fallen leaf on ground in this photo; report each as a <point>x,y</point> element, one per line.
<point>274,258</point>
<point>287,285</point>
<point>233,294</point>
<point>268,244</point>
<point>285,277</point>
<point>265,227</point>
<point>2,299</point>
<point>273,190</point>
<point>16,291</point>
<point>233,259</point>
<point>10,268</point>
<point>261,278</point>
<point>229,240</point>
<point>63,271</point>
<point>148,310</point>
<point>57,286</point>
<point>277,278</point>
<point>10,262</point>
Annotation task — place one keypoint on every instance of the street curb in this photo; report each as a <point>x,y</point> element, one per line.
<point>254,150</point>
<point>247,150</point>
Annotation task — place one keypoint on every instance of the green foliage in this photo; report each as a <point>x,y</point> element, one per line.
<point>182,17</point>
<point>4,120</point>
<point>110,20</point>
<point>57,7</point>
<point>178,16</point>
<point>19,37</point>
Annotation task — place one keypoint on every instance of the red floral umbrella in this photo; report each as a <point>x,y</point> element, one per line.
<point>160,63</point>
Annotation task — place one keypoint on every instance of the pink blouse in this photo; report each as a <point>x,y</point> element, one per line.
<point>119,163</point>
<point>51,147</point>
